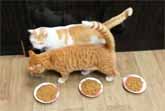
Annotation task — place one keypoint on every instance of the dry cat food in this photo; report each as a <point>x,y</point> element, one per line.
<point>91,87</point>
<point>134,84</point>
<point>46,93</point>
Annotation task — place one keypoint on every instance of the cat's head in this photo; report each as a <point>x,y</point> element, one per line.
<point>38,37</point>
<point>36,66</point>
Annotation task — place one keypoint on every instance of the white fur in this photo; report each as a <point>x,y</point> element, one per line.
<point>35,44</point>
<point>109,78</point>
<point>85,72</point>
<point>87,23</point>
<point>90,24</point>
<point>62,80</point>
<point>70,40</point>
<point>130,11</point>
<point>53,40</point>
<point>96,40</point>
<point>34,41</point>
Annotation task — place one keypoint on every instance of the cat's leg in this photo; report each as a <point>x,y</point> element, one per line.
<point>85,72</point>
<point>109,72</point>
<point>111,77</point>
<point>62,79</point>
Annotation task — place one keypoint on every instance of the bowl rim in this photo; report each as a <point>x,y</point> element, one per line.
<point>43,84</point>
<point>144,84</point>
<point>91,78</point>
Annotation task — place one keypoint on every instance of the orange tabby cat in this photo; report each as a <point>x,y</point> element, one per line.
<point>57,37</point>
<point>78,57</point>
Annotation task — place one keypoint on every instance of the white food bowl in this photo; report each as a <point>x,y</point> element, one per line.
<point>144,85</point>
<point>43,84</point>
<point>91,78</point>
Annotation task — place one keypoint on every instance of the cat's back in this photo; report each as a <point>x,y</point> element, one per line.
<point>77,57</point>
<point>80,50</point>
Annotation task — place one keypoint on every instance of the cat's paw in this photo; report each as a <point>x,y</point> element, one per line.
<point>61,80</point>
<point>85,72</point>
<point>109,78</point>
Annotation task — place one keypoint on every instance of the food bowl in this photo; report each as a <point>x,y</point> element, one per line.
<point>136,77</point>
<point>45,84</point>
<point>96,82</point>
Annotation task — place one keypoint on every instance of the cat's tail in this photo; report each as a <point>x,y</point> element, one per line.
<point>101,28</point>
<point>114,21</point>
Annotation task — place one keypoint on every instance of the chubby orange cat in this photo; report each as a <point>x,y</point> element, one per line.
<point>78,57</point>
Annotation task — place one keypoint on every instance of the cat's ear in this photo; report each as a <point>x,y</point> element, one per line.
<point>30,31</point>
<point>31,53</point>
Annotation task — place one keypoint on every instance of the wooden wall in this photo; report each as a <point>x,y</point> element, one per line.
<point>145,30</point>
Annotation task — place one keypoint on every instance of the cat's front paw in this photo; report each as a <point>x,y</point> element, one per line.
<point>61,80</point>
<point>109,78</point>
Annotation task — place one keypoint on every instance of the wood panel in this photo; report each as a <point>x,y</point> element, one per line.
<point>16,86</point>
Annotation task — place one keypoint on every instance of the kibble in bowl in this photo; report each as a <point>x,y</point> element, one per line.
<point>91,87</point>
<point>46,92</point>
<point>134,84</point>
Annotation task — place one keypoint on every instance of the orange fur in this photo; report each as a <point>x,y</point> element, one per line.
<point>79,33</point>
<point>82,34</point>
<point>78,57</point>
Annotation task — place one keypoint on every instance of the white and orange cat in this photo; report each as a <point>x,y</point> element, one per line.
<point>57,37</point>
<point>78,57</point>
